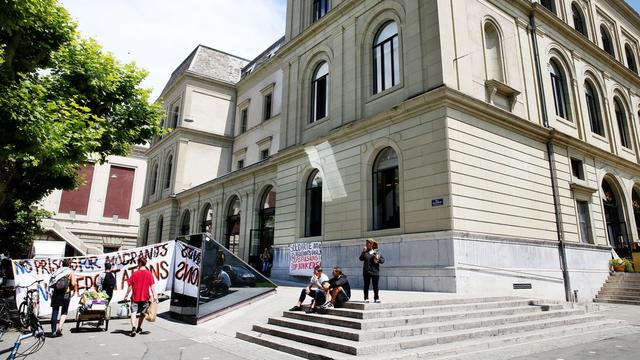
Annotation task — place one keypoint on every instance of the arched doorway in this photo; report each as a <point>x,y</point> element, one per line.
<point>614,218</point>
<point>232,238</point>
<point>262,237</point>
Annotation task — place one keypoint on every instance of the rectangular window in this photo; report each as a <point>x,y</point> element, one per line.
<point>175,115</point>
<point>320,9</point>
<point>78,200</point>
<point>584,221</point>
<point>577,168</point>
<point>119,190</point>
<point>264,154</point>
<point>244,115</point>
<point>267,107</point>
<point>240,164</point>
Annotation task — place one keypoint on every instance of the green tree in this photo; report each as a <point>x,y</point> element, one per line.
<point>62,99</point>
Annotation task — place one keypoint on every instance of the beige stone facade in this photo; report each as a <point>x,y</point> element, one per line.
<point>483,92</point>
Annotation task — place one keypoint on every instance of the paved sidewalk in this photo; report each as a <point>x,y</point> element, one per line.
<point>215,339</point>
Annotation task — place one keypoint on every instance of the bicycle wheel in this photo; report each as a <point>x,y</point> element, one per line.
<point>23,315</point>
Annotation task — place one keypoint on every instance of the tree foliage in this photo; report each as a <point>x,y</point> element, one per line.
<point>62,98</point>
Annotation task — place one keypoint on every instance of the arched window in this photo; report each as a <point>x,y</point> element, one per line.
<point>145,233</point>
<point>493,53</point>
<point>320,9</point>
<point>167,172</point>
<point>232,239</point>
<point>549,4</point>
<point>386,190</point>
<point>386,58</point>
<point>594,109</point>
<point>206,226</point>
<point>320,92</point>
<point>607,43</point>
<point>262,238</point>
<point>313,207</point>
<point>621,118</point>
<point>635,202</point>
<point>631,59</point>
<point>185,224</point>
<point>559,86</point>
<point>578,19</point>
<point>613,206</point>
<point>154,178</point>
<point>159,229</point>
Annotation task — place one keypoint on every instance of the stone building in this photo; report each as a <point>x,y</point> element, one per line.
<point>101,215</point>
<point>490,146</point>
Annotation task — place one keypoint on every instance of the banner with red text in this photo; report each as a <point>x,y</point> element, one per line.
<point>187,269</point>
<point>160,261</point>
<point>304,257</point>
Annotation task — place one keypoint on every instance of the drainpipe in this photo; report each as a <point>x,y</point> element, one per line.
<point>550,158</point>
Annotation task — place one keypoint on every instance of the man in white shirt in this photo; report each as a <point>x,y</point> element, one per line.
<point>313,290</point>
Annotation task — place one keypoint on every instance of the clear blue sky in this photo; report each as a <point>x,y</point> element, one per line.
<point>635,4</point>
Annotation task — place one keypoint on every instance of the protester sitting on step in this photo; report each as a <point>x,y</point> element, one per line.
<point>316,294</point>
<point>338,289</point>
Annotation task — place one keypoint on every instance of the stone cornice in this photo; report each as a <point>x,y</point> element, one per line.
<point>192,135</point>
<point>171,200</point>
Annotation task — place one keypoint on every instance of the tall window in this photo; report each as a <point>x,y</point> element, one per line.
<point>313,208</point>
<point>320,92</point>
<point>493,53</point>
<point>584,221</point>
<point>78,200</point>
<point>549,4</point>
<point>145,233</point>
<point>559,86</point>
<point>386,61</point>
<point>244,119</point>
<point>167,172</point>
<point>233,226</point>
<point>623,129</point>
<point>267,106</point>
<point>631,59</point>
<point>578,19</point>
<point>159,229</point>
<point>154,178</point>
<point>594,110</point>
<point>185,224</point>
<point>386,190</point>
<point>607,43</point>
<point>206,226</point>
<point>119,192</point>
<point>175,114</point>
<point>320,9</point>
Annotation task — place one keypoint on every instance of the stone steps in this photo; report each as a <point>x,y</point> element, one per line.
<point>413,320</point>
<point>393,331</point>
<point>617,301</point>
<point>425,303</point>
<point>416,329</point>
<point>620,288</point>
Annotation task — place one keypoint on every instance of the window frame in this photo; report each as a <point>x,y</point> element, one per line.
<point>159,228</point>
<point>319,9</point>
<point>168,172</point>
<point>549,5</point>
<point>622,120</point>
<point>630,58</point>
<point>155,171</point>
<point>577,14</point>
<point>317,81</point>
<point>267,106</point>
<point>585,237</point>
<point>378,52</point>
<point>185,228</point>
<point>559,88</point>
<point>313,205</point>
<point>594,109</point>
<point>380,219</point>
<point>607,40</point>
<point>244,120</point>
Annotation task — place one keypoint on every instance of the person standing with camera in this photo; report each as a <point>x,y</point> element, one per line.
<point>371,259</point>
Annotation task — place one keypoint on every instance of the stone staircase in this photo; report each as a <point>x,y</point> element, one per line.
<point>433,328</point>
<point>620,288</point>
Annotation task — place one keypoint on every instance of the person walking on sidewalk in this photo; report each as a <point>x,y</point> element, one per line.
<point>371,259</point>
<point>61,282</point>
<point>106,281</point>
<point>142,290</point>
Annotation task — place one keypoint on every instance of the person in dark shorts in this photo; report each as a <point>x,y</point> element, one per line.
<point>142,290</point>
<point>316,294</point>
<point>62,281</point>
<point>338,289</point>
<point>106,281</point>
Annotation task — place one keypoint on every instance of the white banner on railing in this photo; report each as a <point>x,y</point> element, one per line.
<point>160,260</point>
<point>304,257</point>
<point>187,269</point>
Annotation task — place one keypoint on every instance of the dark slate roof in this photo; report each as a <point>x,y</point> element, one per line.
<point>210,63</point>
<point>262,58</point>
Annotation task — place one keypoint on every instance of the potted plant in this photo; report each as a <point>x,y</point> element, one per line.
<point>620,265</point>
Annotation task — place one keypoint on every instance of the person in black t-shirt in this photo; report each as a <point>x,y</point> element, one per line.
<point>338,288</point>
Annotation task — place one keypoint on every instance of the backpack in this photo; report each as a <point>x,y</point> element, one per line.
<point>62,284</point>
<point>109,282</point>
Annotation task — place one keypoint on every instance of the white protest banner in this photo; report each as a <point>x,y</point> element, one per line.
<point>87,269</point>
<point>187,269</point>
<point>304,257</point>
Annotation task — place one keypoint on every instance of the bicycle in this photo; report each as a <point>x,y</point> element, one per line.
<point>30,305</point>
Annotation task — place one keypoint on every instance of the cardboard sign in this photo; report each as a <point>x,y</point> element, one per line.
<point>304,257</point>
<point>160,261</point>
